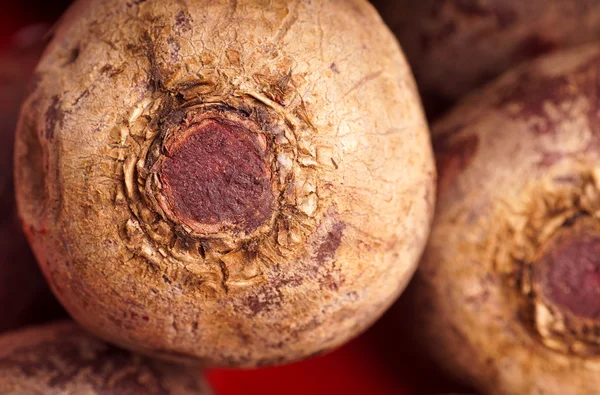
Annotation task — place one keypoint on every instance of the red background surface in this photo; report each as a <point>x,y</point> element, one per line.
<point>378,362</point>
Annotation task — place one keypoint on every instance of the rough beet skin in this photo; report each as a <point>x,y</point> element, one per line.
<point>508,294</point>
<point>238,183</point>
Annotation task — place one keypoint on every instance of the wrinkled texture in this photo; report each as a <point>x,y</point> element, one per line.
<point>323,89</point>
<point>61,359</point>
<point>455,46</point>
<point>512,208</point>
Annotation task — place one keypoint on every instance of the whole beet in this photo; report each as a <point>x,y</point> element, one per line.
<point>239,183</point>
<point>508,293</point>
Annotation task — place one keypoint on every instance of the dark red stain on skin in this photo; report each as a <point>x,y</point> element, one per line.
<point>533,88</point>
<point>532,91</point>
<point>453,156</point>
<point>218,175</point>
<point>332,282</point>
<point>331,243</point>
<point>325,247</point>
<point>569,269</point>
<point>256,305</point>
<point>183,21</point>
<point>266,299</point>
<point>269,296</point>
<point>174,48</point>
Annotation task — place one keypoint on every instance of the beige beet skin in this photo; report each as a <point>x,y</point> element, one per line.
<point>238,183</point>
<point>508,294</point>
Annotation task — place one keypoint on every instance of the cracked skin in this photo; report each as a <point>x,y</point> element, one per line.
<point>318,196</point>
